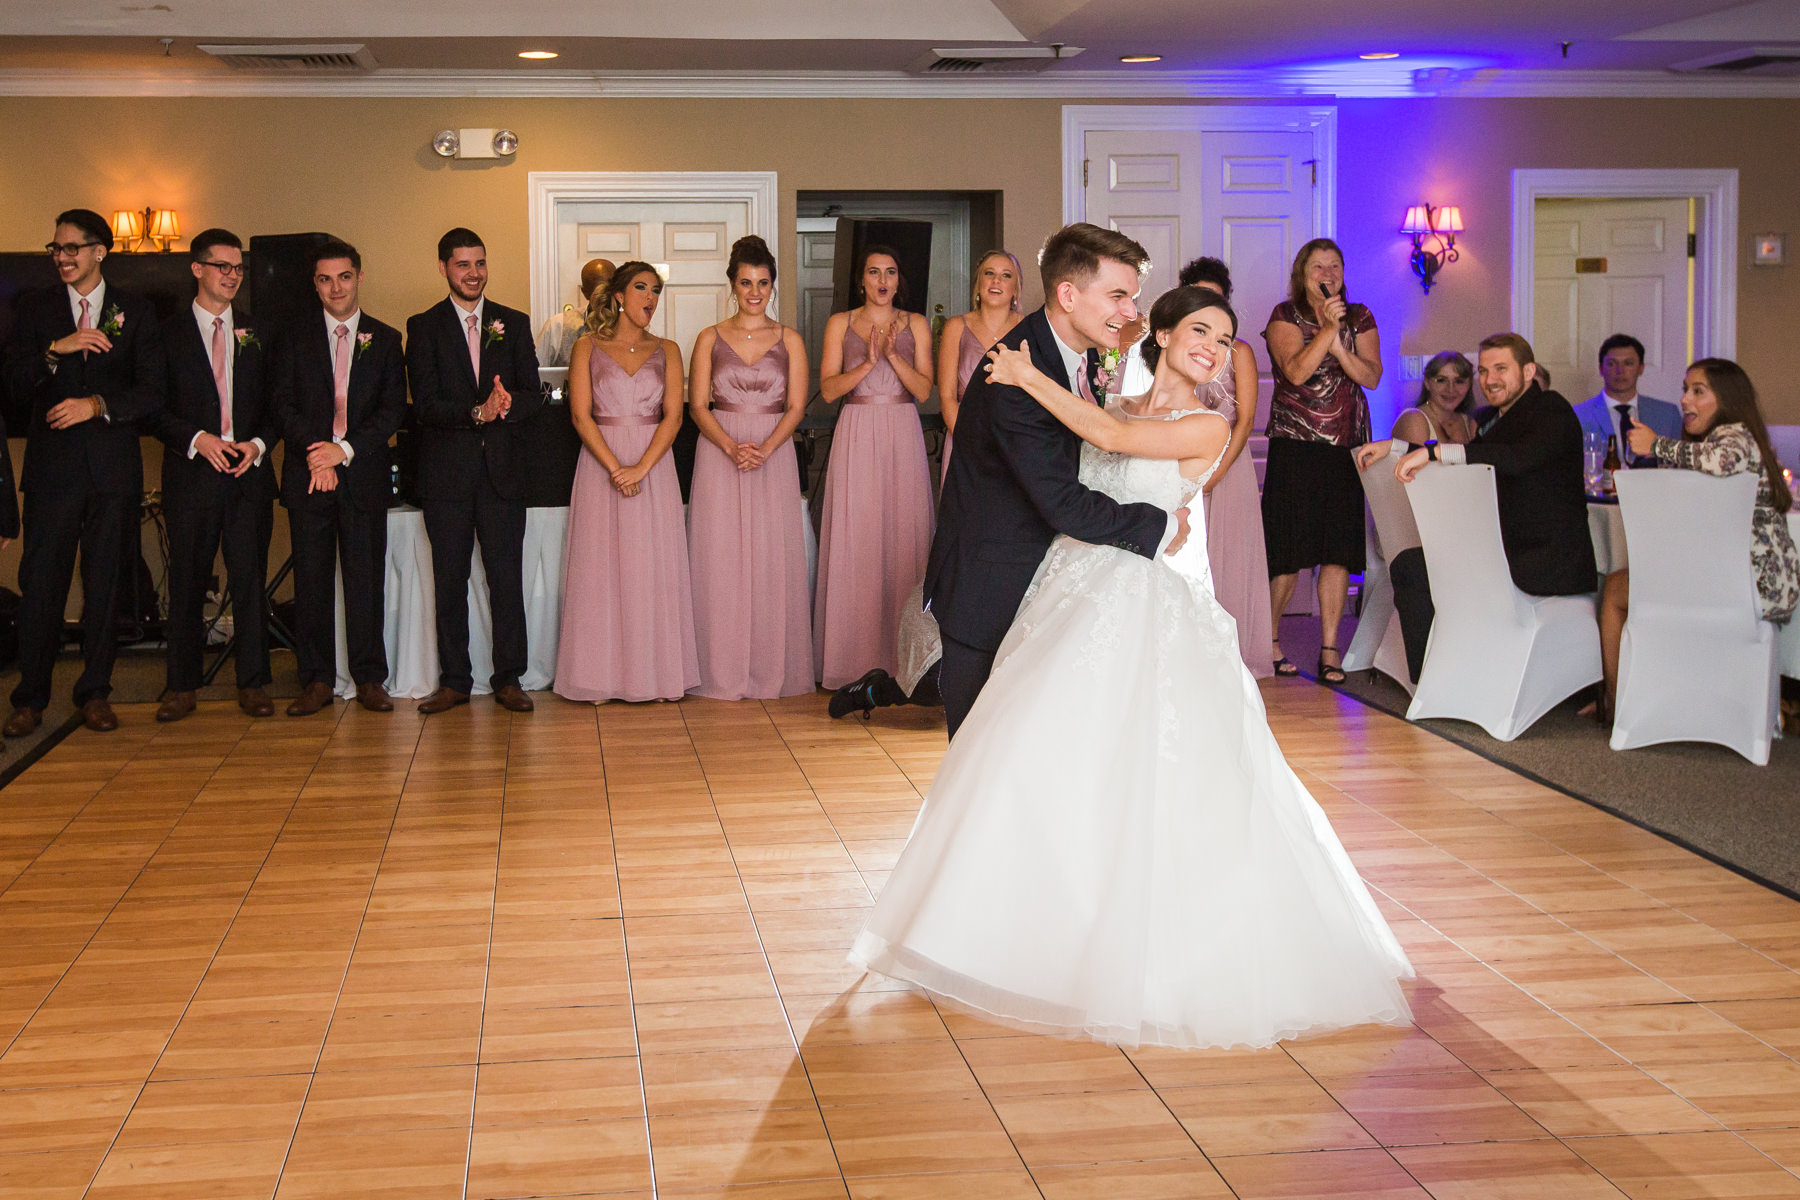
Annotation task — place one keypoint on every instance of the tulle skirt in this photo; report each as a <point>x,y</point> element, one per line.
<point>1114,846</point>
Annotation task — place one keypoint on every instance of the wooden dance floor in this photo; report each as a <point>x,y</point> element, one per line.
<point>601,952</point>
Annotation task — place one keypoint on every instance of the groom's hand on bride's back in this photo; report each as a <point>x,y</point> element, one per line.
<point>1181,532</point>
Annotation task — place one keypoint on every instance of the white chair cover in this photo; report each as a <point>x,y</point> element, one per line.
<point>1697,662</point>
<point>1378,643</point>
<point>1497,657</point>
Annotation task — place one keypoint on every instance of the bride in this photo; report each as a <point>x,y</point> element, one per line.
<point>1114,846</point>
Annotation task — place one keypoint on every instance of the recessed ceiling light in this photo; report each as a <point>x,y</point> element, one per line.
<point>1140,58</point>
<point>1381,54</point>
<point>537,54</point>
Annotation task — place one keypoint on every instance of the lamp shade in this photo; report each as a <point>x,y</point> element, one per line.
<point>165,224</point>
<point>1418,220</point>
<point>1447,219</point>
<point>127,225</point>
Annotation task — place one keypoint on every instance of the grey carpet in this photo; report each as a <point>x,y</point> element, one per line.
<point>1702,796</point>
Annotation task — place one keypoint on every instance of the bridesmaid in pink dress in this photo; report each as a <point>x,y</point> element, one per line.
<point>747,391</point>
<point>877,526</point>
<point>993,311</point>
<point>627,611</point>
<point>1234,529</point>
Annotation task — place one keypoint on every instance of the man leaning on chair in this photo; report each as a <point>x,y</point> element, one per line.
<point>1532,439</point>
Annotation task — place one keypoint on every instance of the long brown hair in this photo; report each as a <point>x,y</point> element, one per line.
<point>603,308</point>
<point>1448,358</point>
<point>1736,395</point>
<point>1297,274</point>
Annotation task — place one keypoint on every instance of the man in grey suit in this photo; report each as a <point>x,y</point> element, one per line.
<point>1618,406</point>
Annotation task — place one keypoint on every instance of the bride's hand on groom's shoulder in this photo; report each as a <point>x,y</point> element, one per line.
<point>1009,367</point>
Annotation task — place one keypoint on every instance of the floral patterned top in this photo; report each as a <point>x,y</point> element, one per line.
<point>1329,406</point>
<point>1732,450</point>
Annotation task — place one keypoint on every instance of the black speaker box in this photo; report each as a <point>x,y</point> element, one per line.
<point>280,275</point>
<point>910,242</point>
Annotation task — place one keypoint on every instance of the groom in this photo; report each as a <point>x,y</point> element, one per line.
<point>1012,485</point>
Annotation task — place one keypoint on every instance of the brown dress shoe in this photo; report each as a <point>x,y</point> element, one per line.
<point>442,700</point>
<point>98,715</point>
<point>374,697</point>
<point>512,697</point>
<point>23,721</point>
<point>313,697</point>
<point>175,706</point>
<point>255,702</point>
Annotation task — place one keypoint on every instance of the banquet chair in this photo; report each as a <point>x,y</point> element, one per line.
<point>1497,657</point>
<point>1378,644</point>
<point>1696,662</point>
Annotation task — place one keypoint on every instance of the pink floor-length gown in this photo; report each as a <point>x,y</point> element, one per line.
<point>746,543</point>
<point>1234,539</point>
<point>969,353</point>
<point>627,610</point>
<point>876,530</point>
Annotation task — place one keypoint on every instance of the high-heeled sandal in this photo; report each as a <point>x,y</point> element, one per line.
<point>1283,667</point>
<point>1328,673</point>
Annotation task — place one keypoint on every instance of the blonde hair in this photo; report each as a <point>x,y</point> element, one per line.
<point>1018,278</point>
<point>604,309</point>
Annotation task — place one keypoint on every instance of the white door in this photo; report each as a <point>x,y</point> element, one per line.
<point>689,243</point>
<point>1606,267</point>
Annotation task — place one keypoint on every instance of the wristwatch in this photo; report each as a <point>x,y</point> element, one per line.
<point>1431,451</point>
<point>475,415</point>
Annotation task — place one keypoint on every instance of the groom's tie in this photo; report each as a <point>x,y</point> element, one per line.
<point>1085,385</point>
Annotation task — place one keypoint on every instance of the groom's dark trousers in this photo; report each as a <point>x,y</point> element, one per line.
<point>1013,486</point>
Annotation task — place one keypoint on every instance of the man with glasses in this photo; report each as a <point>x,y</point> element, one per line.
<point>216,425</point>
<point>83,361</point>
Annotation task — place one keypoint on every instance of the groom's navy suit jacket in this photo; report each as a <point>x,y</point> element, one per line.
<point>1012,487</point>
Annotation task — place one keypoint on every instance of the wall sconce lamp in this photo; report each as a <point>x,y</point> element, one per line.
<point>1440,225</point>
<point>152,224</point>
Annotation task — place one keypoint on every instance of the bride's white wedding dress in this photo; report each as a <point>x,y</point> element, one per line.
<point>1114,845</point>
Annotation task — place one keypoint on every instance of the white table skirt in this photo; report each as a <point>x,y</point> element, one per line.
<point>1607,527</point>
<point>409,624</point>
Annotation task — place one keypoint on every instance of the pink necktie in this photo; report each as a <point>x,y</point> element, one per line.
<point>221,364</point>
<point>474,352</point>
<point>87,318</point>
<point>1084,384</point>
<point>340,373</point>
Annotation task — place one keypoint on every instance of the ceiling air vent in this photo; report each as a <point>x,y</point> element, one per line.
<point>280,56</point>
<point>989,60</point>
<point>1746,60</point>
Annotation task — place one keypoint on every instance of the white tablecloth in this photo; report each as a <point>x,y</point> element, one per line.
<point>409,625</point>
<point>1607,527</point>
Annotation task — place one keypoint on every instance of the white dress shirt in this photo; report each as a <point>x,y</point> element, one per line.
<point>205,320</point>
<point>1075,363</point>
<point>331,324</point>
<point>96,303</point>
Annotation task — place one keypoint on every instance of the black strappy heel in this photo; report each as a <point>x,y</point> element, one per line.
<point>1284,668</point>
<point>1328,673</point>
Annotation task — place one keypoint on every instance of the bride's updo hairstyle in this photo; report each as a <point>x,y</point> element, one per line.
<point>604,307</point>
<point>1175,306</point>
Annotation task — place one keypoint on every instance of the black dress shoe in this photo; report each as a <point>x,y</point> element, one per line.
<point>858,696</point>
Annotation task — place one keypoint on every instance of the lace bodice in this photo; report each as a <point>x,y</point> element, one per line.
<point>1132,480</point>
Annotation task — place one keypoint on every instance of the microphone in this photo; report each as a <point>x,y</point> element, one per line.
<point>1325,290</point>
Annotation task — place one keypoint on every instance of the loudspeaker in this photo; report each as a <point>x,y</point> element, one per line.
<point>280,279</point>
<point>909,240</point>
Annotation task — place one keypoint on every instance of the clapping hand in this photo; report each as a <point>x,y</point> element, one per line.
<point>1642,438</point>
<point>878,343</point>
<point>498,402</point>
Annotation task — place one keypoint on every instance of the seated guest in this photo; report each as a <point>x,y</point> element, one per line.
<point>340,394</point>
<point>556,341</point>
<point>216,426</point>
<point>1446,398</point>
<point>1724,435</point>
<point>82,363</point>
<point>1618,406</point>
<point>1532,440</point>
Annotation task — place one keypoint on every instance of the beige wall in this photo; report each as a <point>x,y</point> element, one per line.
<point>363,169</point>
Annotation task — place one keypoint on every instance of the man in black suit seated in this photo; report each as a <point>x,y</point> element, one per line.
<point>1532,439</point>
<point>83,361</point>
<point>216,425</point>
<point>340,394</point>
<point>1013,483</point>
<point>474,376</point>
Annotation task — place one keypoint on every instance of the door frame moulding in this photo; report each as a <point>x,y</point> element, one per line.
<point>1320,121</point>
<point>549,190</point>
<point>1716,225</point>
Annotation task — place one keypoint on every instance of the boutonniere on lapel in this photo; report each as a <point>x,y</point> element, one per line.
<point>112,321</point>
<point>362,342</point>
<point>247,339</point>
<point>496,332</point>
<point>1107,377</point>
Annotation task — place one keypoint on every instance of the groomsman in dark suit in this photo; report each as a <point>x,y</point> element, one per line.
<point>474,377</point>
<point>83,360</point>
<point>340,394</point>
<point>216,425</point>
